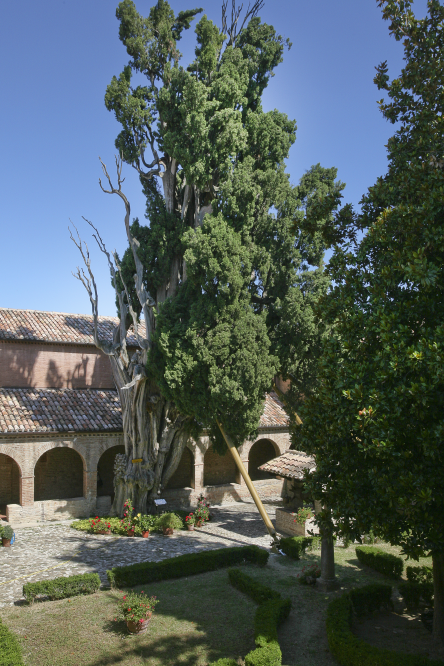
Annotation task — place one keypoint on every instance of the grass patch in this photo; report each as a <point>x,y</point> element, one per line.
<point>198,620</point>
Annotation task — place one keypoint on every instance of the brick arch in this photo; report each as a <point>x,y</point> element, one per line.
<point>97,452</point>
<point>17,458</point>
<point>78,448</point>
<point>61,474</point>
<point>260,452</point>
<point>10,479</point>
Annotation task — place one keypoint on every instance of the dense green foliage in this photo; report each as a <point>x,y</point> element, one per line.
<point>63,587</point>
<point>228,224</point>
<point>375,422</point>
<point>10,650</point>
<point>294,547</point>
<point>352,651</point>
<point>185,565</point>
<point>414,593</point>
<point>379,560</point>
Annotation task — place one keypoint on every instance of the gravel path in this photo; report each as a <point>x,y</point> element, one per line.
<point>53,550</point>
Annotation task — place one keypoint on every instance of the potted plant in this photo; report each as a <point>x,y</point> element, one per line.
<point>202,511</point>
<point>143,523</point>
<point>136,610</point>
<point>99,526</point>
<point>309,574</point>
<point>127,520</point>
<point>169,521</point>
<point>7,534</point>
<point>189,521</point>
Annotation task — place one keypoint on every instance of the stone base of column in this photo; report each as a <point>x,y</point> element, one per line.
<point>327,584</point>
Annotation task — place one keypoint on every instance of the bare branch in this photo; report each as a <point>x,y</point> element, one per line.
<point>90,285</point>
<point>145,299</point>
<point>142,342</point>
<point>232,30</point>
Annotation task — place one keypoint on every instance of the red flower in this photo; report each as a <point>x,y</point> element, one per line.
<point>124,597</point>
<point>97,517</point>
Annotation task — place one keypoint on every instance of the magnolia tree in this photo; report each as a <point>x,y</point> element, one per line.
<point>219,286</point>
<point>375,422</point>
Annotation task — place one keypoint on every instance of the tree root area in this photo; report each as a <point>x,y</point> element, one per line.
<point>403,633</point>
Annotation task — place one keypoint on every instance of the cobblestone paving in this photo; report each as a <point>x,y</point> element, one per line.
<point>48,551</point>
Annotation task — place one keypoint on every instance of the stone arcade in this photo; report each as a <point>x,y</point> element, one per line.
<point>61,427</point>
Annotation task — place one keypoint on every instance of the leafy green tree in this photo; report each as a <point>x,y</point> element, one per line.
<point>375,422</point>
<point>223,265</point>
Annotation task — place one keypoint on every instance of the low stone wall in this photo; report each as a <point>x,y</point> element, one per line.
<point>77,507</point>
<point>183,498</point>
<point>285,524</point>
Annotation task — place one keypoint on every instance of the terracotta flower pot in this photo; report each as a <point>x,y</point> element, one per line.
<point>146,534</point>
<point>190,528</point>
<point>103,532</point>
<point>138,627</point>
<point>168,531</point>
<point>130,532</point>
<point>199,523</point>
<point>6,542</point>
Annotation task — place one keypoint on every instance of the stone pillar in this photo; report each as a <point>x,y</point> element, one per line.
<point>198,470</point>
<point>27,490</point>
<point>90,487</point>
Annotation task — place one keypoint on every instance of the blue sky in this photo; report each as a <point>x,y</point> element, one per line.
<point>58,57</point>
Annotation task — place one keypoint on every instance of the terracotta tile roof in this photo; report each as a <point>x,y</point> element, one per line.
<point>83,410</point>
<point>59,410</point>
<point>290,465</point>
<point>55,327</point>
<point>274,414</point>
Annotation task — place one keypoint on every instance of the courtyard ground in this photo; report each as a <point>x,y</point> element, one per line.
<point>199,619</point>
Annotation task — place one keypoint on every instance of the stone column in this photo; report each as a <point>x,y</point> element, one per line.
<point>27,490</point>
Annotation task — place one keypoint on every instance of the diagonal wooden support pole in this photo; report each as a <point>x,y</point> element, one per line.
<point>251,488</point>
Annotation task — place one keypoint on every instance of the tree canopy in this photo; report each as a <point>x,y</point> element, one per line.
<point>375,422</point>
<point>232,272</point>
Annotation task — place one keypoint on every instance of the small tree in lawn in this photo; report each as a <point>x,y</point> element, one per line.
<point>376,420</point>
<point>223,264</point>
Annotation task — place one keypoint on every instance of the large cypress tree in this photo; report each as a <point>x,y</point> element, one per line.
<point>376,420</point>
<point>222,274</point>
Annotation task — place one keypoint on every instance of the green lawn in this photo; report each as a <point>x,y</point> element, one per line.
<point>198,620</point>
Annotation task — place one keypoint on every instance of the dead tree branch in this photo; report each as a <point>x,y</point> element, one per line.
<point>232,29</point>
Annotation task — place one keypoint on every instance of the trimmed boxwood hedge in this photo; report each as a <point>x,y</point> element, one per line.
<point>10,650</point>
<point>271,612</point>
<point>352,651</point>
<point>63,587</point>
<point>412,593</point>
<point>296,546</point>
<point>379,560</point>
<point>185,565</point>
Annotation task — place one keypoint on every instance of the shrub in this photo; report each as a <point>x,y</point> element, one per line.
<point>420,574</point>
<point>350,650</point>
<point>295,546</point>
<point>7,532</point>
<point>271,612</point>
<point>185,565</point>
<point>309,574</point>
<point>10,650</point>
<point>377,559</point>
<point>170,520</point>
<point>61,588</point>
<point>413,592</point>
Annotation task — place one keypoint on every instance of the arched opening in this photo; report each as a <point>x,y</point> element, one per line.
<point>105,471</point>
<point>58,475</point>
<point>9,482</point>
<point>183,477</point>
<point>261,452</point>
<point>219,469</point>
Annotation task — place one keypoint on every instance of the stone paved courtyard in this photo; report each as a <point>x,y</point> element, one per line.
<point>52,550</point>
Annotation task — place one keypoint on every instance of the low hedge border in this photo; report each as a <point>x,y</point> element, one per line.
<point>296,546</point>
<point>412,593</point>
<point>10,650</point>
<point>379,560</point>
<point>352,651</point>
<point>63,587</point>
<point>185,565</point>
<point>271,612</point>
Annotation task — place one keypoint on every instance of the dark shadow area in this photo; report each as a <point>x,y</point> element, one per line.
<point>260,453</point>
<point>58,475</point>
<point>9,482</point>
<point>105,471</point>
<point>183,477</point>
